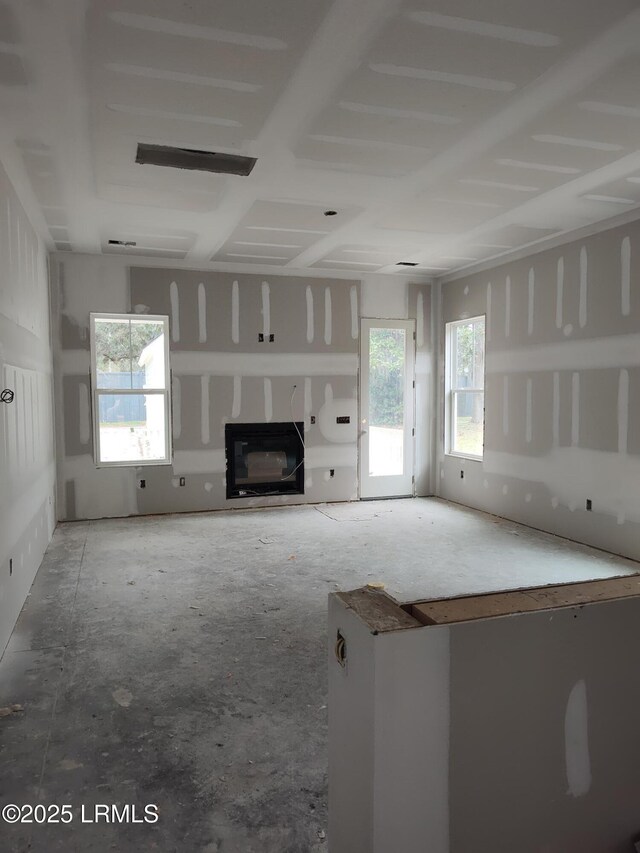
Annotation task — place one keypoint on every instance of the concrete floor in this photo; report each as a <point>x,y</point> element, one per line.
<point>180,661</point>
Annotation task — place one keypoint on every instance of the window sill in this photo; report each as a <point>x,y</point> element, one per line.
<point>469,457</point>
<point>138,464</point>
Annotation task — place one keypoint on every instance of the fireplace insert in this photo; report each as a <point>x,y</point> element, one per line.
<point>264,459</point>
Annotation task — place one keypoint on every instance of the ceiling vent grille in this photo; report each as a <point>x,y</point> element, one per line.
<point>190,158</point>
<point>406,264</point>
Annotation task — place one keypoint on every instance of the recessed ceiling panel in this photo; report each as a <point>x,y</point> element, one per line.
<point>531,24</point>
<point>290,214</point>
<point>438,214</point>
<point>163,199</point>
<point>368,156</point>
<point>374,119</point>
<point>371,256</point>
<point>456,58</point>
<point>331,262</point>
<point>450,127</point>
<point>148,251</point>
<point>514,236</point>
<point>251,258</point>
<point>185,103</point>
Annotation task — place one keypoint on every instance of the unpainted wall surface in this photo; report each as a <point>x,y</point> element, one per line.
<point>516,733</point>
<point>27,466</point>
<point>544,735</point>
<point>562,400</point>
<point>221,373</point>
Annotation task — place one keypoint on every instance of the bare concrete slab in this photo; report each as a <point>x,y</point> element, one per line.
<point>181,661</point>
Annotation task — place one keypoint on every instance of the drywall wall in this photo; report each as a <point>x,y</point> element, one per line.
<point>562,401</point>
<point>27,466</point>
<point>220,373</point>
<point>493,735</point>
<point>541,758</point>
<point>388,731</point>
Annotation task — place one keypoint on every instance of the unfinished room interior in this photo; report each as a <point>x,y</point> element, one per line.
<point>320,426</point>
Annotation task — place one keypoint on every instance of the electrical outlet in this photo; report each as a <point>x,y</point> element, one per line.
<point>332,472</point>
<point>142,484</point>
<point>462,475</point>
<point>313,419</point>
<point>183,481</point>
<point>272,338</point>
<point>589,505</point>
<point>260,338</point>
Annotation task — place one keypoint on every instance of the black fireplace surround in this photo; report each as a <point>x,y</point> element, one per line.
<point>264,459</point>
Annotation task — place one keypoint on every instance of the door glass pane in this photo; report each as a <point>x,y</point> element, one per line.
<point>132,427</point>
<point>387,348</point>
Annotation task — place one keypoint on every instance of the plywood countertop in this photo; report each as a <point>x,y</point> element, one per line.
<point>462,609</point>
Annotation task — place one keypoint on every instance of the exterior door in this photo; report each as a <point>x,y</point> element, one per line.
<point>387,370</point>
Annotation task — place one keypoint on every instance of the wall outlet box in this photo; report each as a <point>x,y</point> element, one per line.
<point>343,419</point>
<point>183,481</point>
<point>313,419</point>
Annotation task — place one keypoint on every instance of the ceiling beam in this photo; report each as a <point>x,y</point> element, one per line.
<point>336,50</point>
<point>551,88</point>
<point>54,39</point>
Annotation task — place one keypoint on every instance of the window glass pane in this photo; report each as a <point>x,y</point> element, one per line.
<point>129,353</point>
<point>113,354</point>
<point>132,427</point>
<point>386,401</point>
<point>468,355</point>
<point>147,353</point>
<point>468,422</point>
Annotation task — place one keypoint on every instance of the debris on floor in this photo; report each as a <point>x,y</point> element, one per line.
<point>11,709</point>
<point>266,541</point>
<point>122,697</point>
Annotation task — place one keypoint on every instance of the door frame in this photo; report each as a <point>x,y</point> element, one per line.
<point>388,488</point>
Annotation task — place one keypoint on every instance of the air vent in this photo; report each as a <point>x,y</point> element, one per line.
<point>189,158</point>
<point>126,243</point>
<point>406,264</point>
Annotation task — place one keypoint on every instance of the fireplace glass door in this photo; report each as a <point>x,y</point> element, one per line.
<point>264,459</point>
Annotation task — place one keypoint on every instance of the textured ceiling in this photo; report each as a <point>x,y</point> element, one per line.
<point>442,132</point>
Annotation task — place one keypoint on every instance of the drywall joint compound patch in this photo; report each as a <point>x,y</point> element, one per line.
<point>576,738</point>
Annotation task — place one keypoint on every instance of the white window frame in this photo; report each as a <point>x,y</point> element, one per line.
<point>451,393</point>
<point>97,392</point>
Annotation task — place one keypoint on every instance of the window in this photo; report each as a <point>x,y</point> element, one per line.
<point>131,382</point>
<point>465,388</point>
